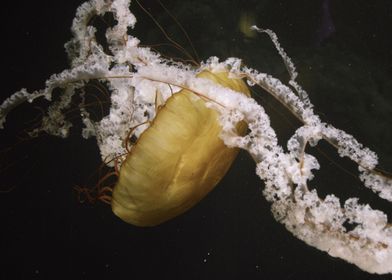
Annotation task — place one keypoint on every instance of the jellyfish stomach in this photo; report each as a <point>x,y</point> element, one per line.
<point>177,161</point>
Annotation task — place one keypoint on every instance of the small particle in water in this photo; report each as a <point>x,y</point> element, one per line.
<point>205,259</point>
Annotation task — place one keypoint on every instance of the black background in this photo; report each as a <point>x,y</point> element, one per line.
<point>45,233</point>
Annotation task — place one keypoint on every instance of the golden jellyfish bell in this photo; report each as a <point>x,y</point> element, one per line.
<point>177,161</point>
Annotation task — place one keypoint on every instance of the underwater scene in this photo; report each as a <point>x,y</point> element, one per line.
<point>118,152</point>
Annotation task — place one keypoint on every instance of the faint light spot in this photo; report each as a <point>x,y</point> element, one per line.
<point>205,259</point>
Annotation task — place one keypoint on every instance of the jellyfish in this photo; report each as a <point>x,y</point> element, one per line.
<point>188,122</point>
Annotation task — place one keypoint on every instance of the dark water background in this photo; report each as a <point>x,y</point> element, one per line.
<point>343,53</point>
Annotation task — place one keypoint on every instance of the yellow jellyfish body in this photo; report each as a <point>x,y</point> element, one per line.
<point>177,160</point>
